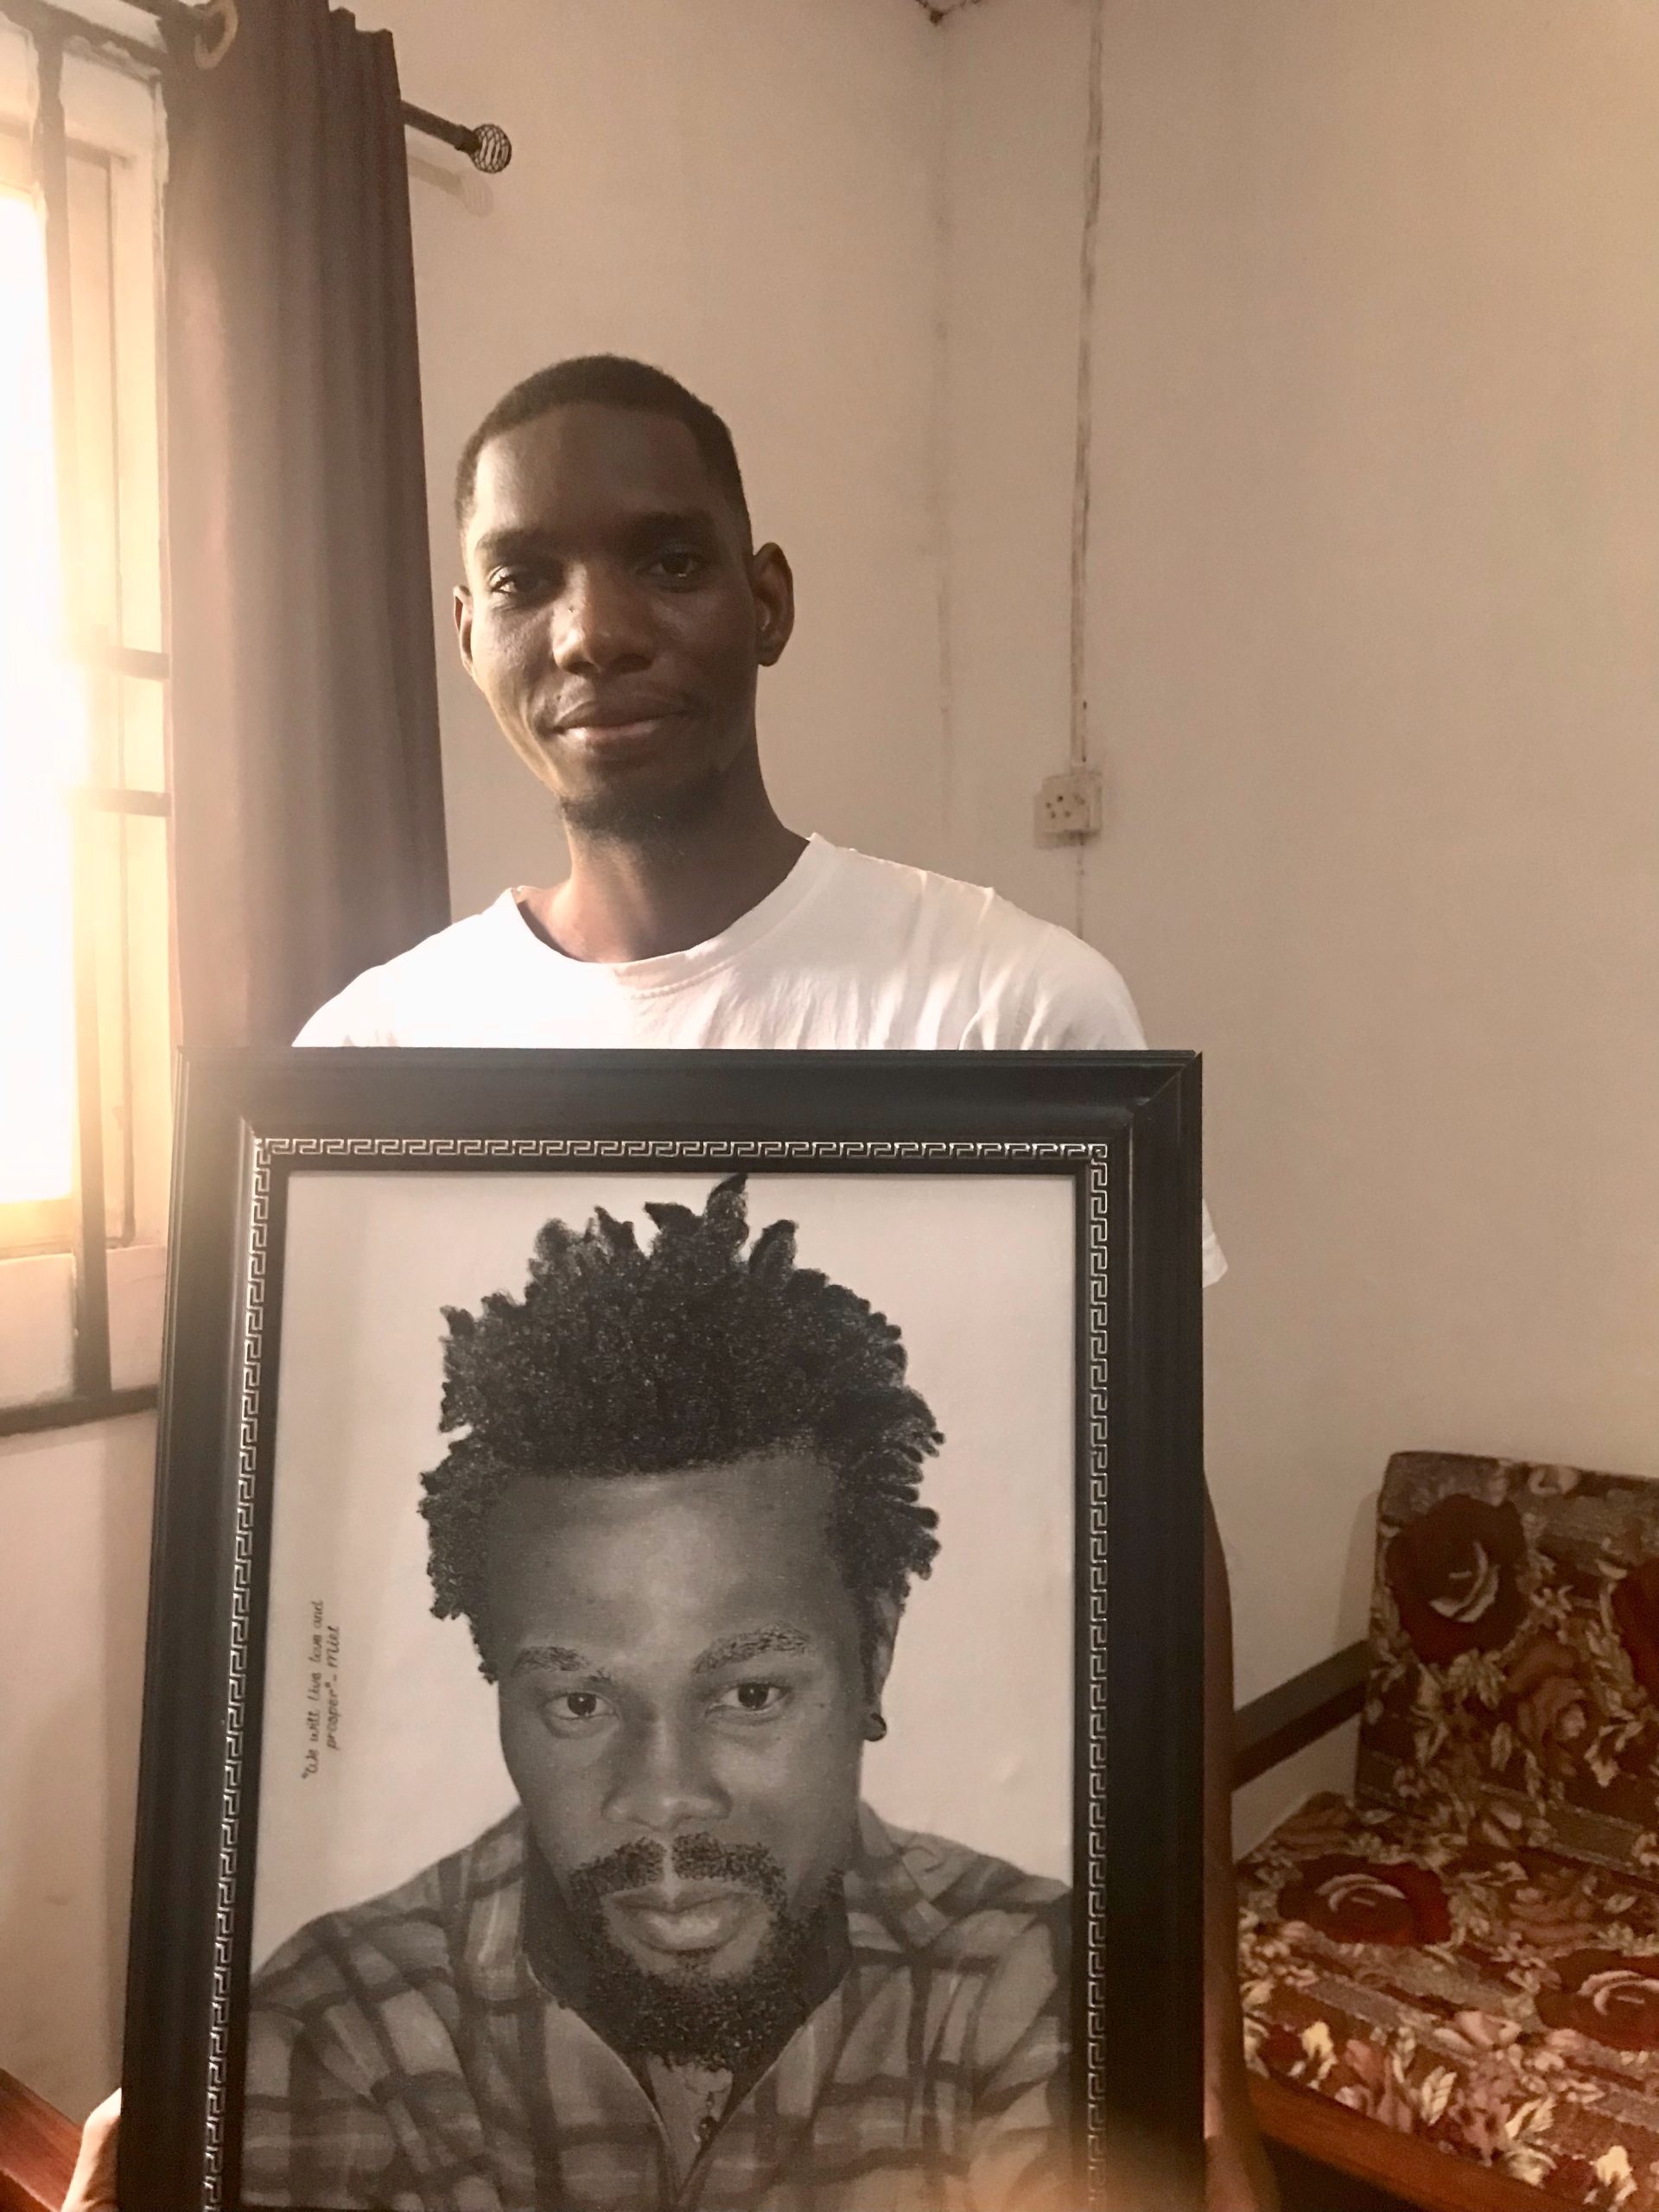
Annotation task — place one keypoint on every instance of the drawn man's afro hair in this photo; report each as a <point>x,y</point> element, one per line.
<point>695,1353</point>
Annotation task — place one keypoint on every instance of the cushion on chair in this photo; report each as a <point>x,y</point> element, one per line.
<point>1500,2001</point>
<point>1515,1651</point>
<point>1470,1953</point>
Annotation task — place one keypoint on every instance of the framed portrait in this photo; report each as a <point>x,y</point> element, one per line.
<point>674,1677</point>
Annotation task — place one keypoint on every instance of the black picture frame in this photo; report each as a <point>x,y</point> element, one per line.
<point>1124,1127</point>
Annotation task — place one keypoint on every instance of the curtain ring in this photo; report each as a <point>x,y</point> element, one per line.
<point>209,57</point>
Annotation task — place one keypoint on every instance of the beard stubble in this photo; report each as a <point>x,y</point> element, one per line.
<point>687,2015</point>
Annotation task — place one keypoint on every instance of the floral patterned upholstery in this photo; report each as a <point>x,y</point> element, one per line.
<point>1469,1951</point>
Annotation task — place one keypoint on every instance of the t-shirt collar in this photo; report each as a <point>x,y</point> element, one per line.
<point>669,971</point>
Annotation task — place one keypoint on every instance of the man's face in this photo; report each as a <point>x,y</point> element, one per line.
<point>681,1703</point>
<point>614,616</point>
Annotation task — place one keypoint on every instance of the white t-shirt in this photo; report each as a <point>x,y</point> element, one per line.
<point>848,953</point>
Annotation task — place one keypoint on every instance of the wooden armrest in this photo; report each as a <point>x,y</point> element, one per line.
<point>37,2150</point>
<point>1270,1728</point>
<point>1407,2167</point>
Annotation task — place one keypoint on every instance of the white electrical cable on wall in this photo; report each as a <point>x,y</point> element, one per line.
<point>1083,451</point>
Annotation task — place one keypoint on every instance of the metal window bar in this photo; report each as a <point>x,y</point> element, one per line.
<point>91,1396</point>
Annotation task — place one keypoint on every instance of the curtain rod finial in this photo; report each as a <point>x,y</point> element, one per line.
<point>491,150</point>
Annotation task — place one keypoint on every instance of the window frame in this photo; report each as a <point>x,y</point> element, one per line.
<point>44,1231</point>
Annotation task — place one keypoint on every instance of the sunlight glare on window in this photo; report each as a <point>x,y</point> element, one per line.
<point>43,745</point>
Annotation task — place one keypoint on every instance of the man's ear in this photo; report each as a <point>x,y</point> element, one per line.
<point>773,586</point>
<point>463,603</point>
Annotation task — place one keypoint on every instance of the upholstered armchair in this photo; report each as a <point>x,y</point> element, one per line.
<point>1451,1977</point>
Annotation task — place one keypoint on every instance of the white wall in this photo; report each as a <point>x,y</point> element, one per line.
<point>1016,104</point>
<point>74,1540</point>
<point>743,191</point>
<point>1374,599</point>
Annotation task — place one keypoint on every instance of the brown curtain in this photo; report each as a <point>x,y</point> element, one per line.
<point>308,796</point>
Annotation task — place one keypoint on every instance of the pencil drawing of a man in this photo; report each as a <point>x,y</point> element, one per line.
<point>681,1515</point>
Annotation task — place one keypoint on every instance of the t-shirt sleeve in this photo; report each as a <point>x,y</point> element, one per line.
<point>1079,1003</point>
<point>356,1015</point>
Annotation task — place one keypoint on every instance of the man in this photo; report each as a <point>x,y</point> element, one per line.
<point>692,1968</point>
<point>615,613</point>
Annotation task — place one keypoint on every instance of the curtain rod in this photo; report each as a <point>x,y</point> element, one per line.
<point>486,145</point>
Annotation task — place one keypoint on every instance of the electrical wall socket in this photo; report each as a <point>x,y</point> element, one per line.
<point>1068,807</point>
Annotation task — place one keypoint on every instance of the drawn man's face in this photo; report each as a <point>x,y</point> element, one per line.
<point>682,1703</point>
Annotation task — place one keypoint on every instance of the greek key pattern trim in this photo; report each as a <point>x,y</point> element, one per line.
<point>247,1440</point>
<point>715,1151</point>
<point>565,1152</point>
<point>1094,1598</point>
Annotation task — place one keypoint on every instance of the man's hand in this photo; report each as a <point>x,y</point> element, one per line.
<point>91,2186</point>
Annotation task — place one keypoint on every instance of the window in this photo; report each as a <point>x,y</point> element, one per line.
<point>84,965</point>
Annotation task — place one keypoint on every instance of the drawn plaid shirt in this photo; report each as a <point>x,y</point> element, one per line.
<point>403,2057</point>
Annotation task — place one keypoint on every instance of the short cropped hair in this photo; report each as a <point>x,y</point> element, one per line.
<point>604,380</point>
<point>696,1352</point>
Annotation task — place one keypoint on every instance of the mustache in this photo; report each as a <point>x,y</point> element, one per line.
<point>638,1864</point>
